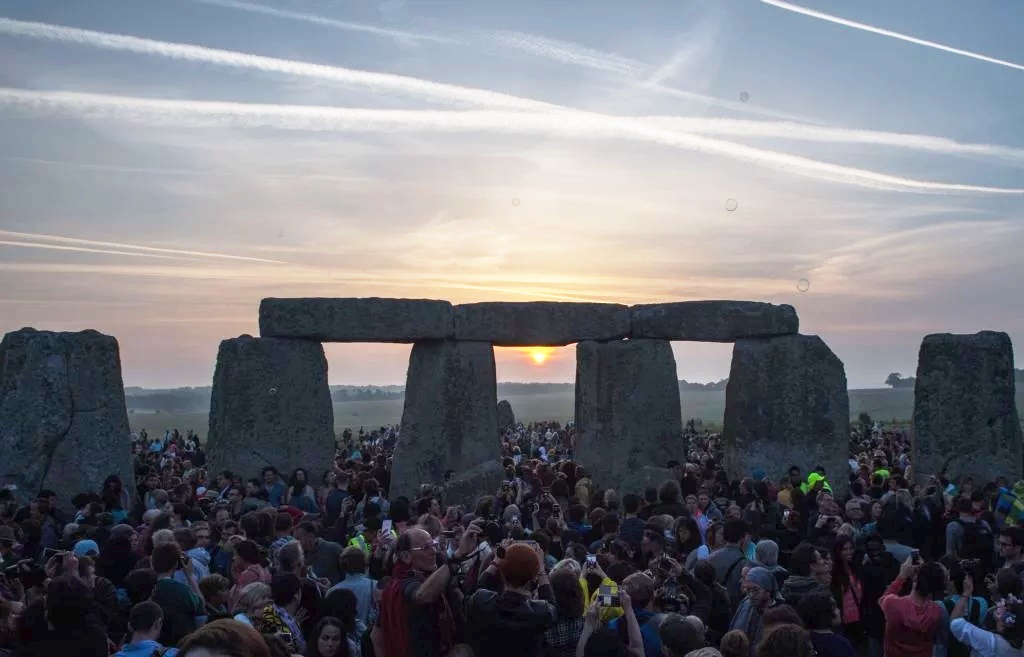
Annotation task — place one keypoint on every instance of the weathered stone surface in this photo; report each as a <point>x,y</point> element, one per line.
<point>540,323</point>
<point>964,408</point>
<point>786,404</point>
<point>450,419</point>
<point>63,421</point>
<point>646,477</point>
<point>713,321</point>
<point>270,405</point>
<point>467,487</point>
<point>627,408</point>
<point>357,320</point>
<point>506,417</point>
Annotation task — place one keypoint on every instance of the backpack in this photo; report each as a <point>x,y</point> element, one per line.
<point>975,615</point>
<point>978,542</point>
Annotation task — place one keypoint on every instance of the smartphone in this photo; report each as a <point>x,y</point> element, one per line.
<point>385,527</point>
<point>609,595</point>
<point>591,560</point>
<point>785,515</point>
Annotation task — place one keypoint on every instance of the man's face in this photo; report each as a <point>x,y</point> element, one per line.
<point>251,489</point>
<point>221,515</point>
<point>203,538</point>
<point>268,477</point>
<point>234,496</point>
<point>422,555</point>
<point>1007,549</point>
<point>703,500</point>
<point>758,596</point>
<point>222,481</point>
<point>307,540</point>
<point>152,482</point>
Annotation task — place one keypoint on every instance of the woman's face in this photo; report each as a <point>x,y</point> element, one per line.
<point>329,641</point>
<point>691,503</point>
<point>682,534</point>
<point>876,511</point>
<point>300,476</point>
<point>847,552</point>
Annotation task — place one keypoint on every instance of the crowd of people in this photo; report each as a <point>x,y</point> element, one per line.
<point>877,561</point>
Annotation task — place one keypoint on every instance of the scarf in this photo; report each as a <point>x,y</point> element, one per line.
<point>395,611</point>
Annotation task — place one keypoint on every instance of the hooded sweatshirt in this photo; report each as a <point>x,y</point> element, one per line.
<point>797,586</point>
<point>909,627</point>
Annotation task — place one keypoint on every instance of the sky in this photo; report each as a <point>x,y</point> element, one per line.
<point>164,165</point>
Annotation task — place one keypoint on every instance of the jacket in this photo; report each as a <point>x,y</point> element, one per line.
<point>145,649</point>
<point>509,623</point>
<point>797,586</point>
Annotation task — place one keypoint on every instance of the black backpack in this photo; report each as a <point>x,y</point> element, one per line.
<point>978,542</point>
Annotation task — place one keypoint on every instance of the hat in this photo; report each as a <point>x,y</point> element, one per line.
<point>762,577</point>
<point>201,491</point>
<point>7,534</point>
<point>759,474</point>
<point>86,548</point>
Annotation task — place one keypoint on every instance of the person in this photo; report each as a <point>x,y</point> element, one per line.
<point>323,556</point>
<point>805,566</point>
<point>146,621</point>
<point>182,604</point>
<point>819,613</point>
<point>786,641</point>
<point>353,562</point>
<point>680,636</point>
<point>911,621</point>
<point>1011,548</point>
<point>283,616</point>
<point>417,605</point>
<point>247,567</point>
<point>254,597</point>
<point>735,644</point>
<point>728,561</point>
<point>969,537</point>
<point>224,638</point>
<point>760,588</point>
<point>1008,638</point>
<point>328,640</point>
<point>561,639</point>
<point>512,623</point>
<point>63,624</point>
<point>273,486</point>
<point>641,589</point>
<point>848,590</point>
<point>300,494</point>
<point>975,607</point>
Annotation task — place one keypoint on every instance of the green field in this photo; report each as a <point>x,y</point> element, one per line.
<point>708,406</point>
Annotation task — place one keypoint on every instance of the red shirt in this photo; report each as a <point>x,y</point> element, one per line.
<point>910,627</point>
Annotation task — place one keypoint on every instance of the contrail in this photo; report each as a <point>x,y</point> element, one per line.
<point>575,124</point>
<point>134,247</point>
<point>83,249</point>
<point>448,93</point>
<point>569,53</point>
<point>889,33</point>
<point>802,132</point>
<point>398,35</point>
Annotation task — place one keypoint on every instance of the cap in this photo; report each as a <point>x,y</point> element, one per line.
<point>86,548</point>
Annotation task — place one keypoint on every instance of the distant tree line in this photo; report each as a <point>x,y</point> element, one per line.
<point>896,380</point>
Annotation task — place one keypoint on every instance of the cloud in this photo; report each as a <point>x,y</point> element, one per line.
<point>889,33</point>
<point>398,35</point>
<point>82,245</point>
<point>570,123</point>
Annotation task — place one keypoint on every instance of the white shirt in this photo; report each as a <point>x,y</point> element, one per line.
<point>982,642</point>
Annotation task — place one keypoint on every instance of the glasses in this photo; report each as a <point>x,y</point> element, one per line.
<point>433,546</point>
<point>1005,544</point>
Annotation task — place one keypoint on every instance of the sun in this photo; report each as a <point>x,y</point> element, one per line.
<point>539,355</point>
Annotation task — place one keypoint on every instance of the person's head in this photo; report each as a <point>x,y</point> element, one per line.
<point>343,605</point>
<point>1008,583</point>
<point>299,478</point>
<point>166,558</point>
<point>1010,623</point>
<point>817,610</point>
<point>679,636</point>
<point>146,619</point>
<point>285,589</point>
<point>224,638</point>
<point>247,553</point>
<point>760,586</point>
<point>416,548</point>
<point>785,641</point>
<point>930,581</point>
<point>215,588</point>
<point>779,615</point>
<point>270,475</point>
<point>291,559</point>
<point>254,597</point>
<point>641,589</point>
<point>631,503</point>
<point>69,603</point>
<point>253,487</point>
<point>736,531</point>
<point>568,595</point>
<point>652,543</point>
<point>1011,542</point>
<point>353,560</point>
<point>328,638</point>
<point>669,492</point>
<point>803,559</point>
<point>306,534</point>
<point>964,506</point>
<point>735,644</point>
<point>766,553</point>
<point>843,551</point>
<point>520,565</point>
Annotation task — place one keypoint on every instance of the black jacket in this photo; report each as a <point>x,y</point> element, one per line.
<point>509,624</point>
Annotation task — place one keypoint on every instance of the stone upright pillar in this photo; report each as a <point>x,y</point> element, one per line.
<point>63,421</point>
<point>270,405</point>
<point>786,404</point>
<point>627,410</point>
<point>964,408</point>
<point>450,422</point>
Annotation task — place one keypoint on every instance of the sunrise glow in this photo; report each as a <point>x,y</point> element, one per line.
<point>540,355</point>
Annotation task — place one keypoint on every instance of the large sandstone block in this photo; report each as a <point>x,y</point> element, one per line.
<point>964,408</point>
<point>357,320</point>
<point>450,419</point>
<point>63,420</point>
<point>540,323</point>
<point>627,409</point>
<point>786,404</point>
<point>270,405</point>
<point>713,321</point>
<point>506,416</point>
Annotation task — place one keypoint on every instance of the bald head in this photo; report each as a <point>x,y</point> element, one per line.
<point>416,547</point>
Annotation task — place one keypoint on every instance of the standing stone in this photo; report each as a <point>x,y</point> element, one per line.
<point>450,421</point>
<point>270,405</point>
<point>964,408</point>
<point>786,404</point>
<point>506,417</point>
<point>627,409</point>
<point>63,420</point>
